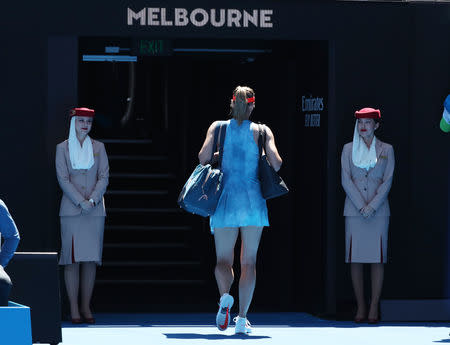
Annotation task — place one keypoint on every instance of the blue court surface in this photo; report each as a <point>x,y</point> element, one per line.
<point>268,328</point>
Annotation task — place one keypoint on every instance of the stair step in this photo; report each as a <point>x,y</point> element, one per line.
<point>124,217</point>
<point>149,263</point>
<point>145,210</point>
<point>142,176</point>
<point>152,272</point>
<point>199,295</point>
<point>123,145</point>
<point>154,238</point>
<point>152,269</point>
<point>132,200</point>
<point>163,181</point>
<point>145,245</point>
<point>146,228</point>
<point>136,146</point>
<point>126,141</point>
<point>148,234</point>
<point>148,253</point>
<point>139,164</point>
<point>137,192</point>
<point>137,158</point>
<point>147,216</point>
<point>149,282</point>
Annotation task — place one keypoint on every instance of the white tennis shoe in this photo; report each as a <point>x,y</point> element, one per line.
<point>243,326</point>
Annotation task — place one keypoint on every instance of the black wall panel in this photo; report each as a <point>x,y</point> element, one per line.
<point>391,56</point>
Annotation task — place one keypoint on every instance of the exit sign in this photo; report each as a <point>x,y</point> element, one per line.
<point>151,47</point>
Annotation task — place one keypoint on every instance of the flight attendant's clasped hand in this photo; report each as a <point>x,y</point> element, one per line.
<point>87,205</point>
<point>367,211</point>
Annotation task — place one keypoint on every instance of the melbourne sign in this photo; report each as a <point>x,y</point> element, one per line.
<point>199,17</point>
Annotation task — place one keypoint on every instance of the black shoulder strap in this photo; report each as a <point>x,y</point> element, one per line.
<point>219,139</point>
<point>261,137</point>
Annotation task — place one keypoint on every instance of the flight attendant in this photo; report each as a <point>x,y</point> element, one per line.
<point>83,171</point>
<point>367,171</point>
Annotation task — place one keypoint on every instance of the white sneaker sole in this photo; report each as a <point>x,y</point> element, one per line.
<point>223,315</point>
<point>245,331</point>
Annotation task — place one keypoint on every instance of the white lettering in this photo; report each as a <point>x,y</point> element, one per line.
<point>181,17</point>
<point>132,15</point>
<point>265,21</point>
<point>312,120</point>
<point>201,12</point>
<point>315,120</point>
<point>251,18</point>
<point>307,120</point>
<point>221,21</point>
<point>234,16</point>
<point>320,103</point>
<point>312,104</point>
<point>164,20</point>
<point>153,16</point>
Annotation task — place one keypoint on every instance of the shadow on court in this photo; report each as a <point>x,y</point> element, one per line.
<point>213,336</point>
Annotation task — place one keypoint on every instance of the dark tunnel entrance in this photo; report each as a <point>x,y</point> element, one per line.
<point>152,114</point>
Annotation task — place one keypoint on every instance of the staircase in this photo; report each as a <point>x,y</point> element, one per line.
<point>155,256</point>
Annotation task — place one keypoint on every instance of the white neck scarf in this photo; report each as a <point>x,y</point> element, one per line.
<point>362,156</point>
<point>81,157</point>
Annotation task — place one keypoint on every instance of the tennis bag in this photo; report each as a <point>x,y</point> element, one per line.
<point>202,190</point>
<point>272,185</point>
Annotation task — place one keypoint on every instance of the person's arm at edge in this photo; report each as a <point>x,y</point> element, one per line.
<point>10,234</point>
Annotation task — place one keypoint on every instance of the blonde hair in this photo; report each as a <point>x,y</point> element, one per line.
<point>239,109</point>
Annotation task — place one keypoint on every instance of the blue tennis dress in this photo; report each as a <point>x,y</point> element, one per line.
<point>241,202</point>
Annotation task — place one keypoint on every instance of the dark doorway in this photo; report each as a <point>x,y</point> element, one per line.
<point>157,257</point>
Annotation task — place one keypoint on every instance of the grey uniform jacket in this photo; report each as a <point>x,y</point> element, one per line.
<point>368,187</point>
<point>82,184</point>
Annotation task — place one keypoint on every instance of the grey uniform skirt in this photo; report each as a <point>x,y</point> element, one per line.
<point>81,239</point>
<point>366,240</point>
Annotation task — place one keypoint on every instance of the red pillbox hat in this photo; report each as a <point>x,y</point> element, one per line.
<point>82,112</point>
<point>368,113</point>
